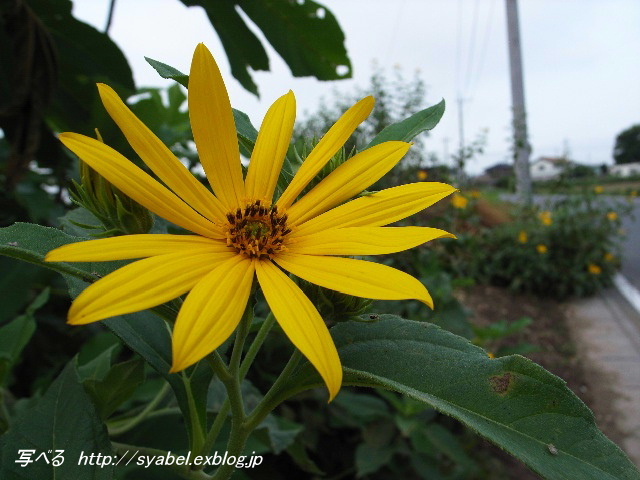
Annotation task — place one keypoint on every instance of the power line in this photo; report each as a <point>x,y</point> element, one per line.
<point>472,43</point>
<point>484,45</point>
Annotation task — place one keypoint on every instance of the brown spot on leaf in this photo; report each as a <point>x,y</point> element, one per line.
<point>501,383</point>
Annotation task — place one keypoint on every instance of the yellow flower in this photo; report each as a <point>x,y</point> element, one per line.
<point>545,218</point>
<point>459,201</point>
<point>594,269</point>
<point>598,189</point>
<point>609,257</point>
<point>523,237</point>
<point>612,216</point>
<point>422,175</point>
<point>240,232</point>
<point>542,249</point>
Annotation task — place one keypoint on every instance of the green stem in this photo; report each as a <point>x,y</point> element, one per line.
<point>239,434</point>
<point>197,427</point>
<point>121,426</point>
<point>257,343</point>
<point>221,417</point>
<point>184,471</point>
<point>272,399</point>
<point>241,336</point>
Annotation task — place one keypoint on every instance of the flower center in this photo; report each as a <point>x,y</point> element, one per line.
<point>257,231</point>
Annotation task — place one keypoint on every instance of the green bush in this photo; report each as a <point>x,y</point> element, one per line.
<point>568,248</point>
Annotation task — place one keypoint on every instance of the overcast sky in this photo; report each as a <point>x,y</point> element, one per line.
<point>581,64</point>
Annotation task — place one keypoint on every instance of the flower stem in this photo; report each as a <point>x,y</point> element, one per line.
<point>122,426</point>
<point>125,450</point>
<point>221,417</point>
<point>272,399</point>
<point>197,426</point>
<point>256,344</point>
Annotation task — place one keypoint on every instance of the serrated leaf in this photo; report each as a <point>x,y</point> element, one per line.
<point>116,387</point>
<point>15,335</point>
<point>63,419</point>
<point>30,243</point>
<point>169,72</point>
<point>247,133</point>
<point>244,50</point>
<point>511,401</point>
<point>98,367</point>
<point>282,432</point>
<point>143,332</point>
<point>408,128</point>
<point>305,34</point>
<point>370,459</point>
<point>300,456</point>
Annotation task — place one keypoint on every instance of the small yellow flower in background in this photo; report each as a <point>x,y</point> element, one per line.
<point>598,189</point>
<point>546,218</point>
<point>542,249</point>
<point>422,175</point>
<point>633,194</point>
<point>609,257</point>
<point>459,201</point>
<point>240,232</point>
<point>491,355</point>
<point>475,193</point>
<point>612,216</point>
<point>523,237</point>
<point>594,269</point>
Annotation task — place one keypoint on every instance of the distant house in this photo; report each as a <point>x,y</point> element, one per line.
<point>494,175</point>
<point>625,169</point>
<point>548,168</point>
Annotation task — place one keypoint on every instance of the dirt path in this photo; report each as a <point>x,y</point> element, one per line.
<point>553,330</point>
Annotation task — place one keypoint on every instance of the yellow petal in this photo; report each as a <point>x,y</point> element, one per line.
<point>326,148</point>
<point>211,311</point>
<point>142,284</point>
<point>159,158</point>
<point>214,129</point>
<point>134,246</point>
<point>349,179</point>
<point>380,208</point>
<point>302,323</point>
<point>138,185</point>
<point>363,240</point>
<point>271,147</point>
<point>355,277</point>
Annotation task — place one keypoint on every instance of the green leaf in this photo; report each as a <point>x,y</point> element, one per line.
<point>167,71</point>
<point>305,34</point>
<point>370,459</point>
<point>63,419</point>
<point>247,133</point>
<point>299,455</point>
<point>16,284</point>
<point>513,402</point>
<point>98,367</point>
<point>16,335</point>
<point>117,387</point>
<point>282,432</point>
<point>241,45</point>
<point>410,127</point>
<point>30,243</point>
<point>143,332</point>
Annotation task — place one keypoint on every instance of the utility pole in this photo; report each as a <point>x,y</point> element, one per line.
<point>445,150</point>
<point>521,147</point>
<point>459,167</point>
